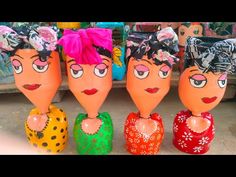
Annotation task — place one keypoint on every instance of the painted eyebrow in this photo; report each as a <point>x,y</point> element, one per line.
<point>193,70</point>
<point>147,61</point>
<point>19,56</point>
<point>143,60</point>
<point>35,56</point>
<point>106,59</point>
<point>70,60</point>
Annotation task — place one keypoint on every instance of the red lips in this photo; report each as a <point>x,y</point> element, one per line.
<point>90,92</point>
<point>152,90</point>
<point>31,86</point>
<point>209,100</point>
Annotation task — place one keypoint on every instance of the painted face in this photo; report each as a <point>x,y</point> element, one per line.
<point>195,30</point>
<point>201,92</point>
<point>37,80</point>
<point>147,83</point>
<point>90,83</point>
<point>173,25</point>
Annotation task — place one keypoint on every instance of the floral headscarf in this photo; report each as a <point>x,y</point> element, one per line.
<point>159,46</point>
<point>42,39</point>
<point>211,54</point>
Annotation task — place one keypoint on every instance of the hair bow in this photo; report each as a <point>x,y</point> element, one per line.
<point>159,46</point>
<point>211,54</point>
<point>84,44</point>
<point>42,39</point>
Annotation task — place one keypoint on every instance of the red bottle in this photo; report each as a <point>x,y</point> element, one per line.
<point>189,141</point>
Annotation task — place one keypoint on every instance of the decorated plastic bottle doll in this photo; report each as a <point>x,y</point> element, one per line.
<point>6,70</point>
<point>201,87</point>
<point>153,26</point>
<point>150,59</point>
<point>118,54</point>
<point>89,66</point>
<point>185,30</point>
<point>37,75</point>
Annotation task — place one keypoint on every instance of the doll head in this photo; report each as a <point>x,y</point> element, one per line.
<point>207,61</point>
<point>36,64</point>
<point>89,65</point>
<point>193,29</point>
<point>149,68</point>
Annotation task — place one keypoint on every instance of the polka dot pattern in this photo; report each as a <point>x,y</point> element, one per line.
<point>53,137</point>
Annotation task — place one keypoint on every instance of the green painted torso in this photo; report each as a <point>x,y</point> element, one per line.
<point>99,143</point>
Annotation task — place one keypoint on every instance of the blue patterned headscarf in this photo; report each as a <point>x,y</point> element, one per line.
<point>211,54</point>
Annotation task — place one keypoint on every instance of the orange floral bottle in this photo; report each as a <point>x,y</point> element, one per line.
<point>150,59</point>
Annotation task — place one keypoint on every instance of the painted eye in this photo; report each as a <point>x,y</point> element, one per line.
<point>141,71</point>
<point>222,81</point>
<point>100,70</point>
<point>40,66</point>
<point>76,71</point>
<point>196,31</point>
<point>164,72</point>
<point>182,32</point>
<point>17,66</point>
<point>198,81</point>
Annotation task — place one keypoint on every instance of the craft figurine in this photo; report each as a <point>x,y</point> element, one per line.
<point>219,29</point>
<point>38,76</point>
<point>68,25</point>
<point>89,66</point>
<point>201,87</point>
<point>6,70</point>
<point>152,26</point>
<point>62,26</point>
<point>150,60</point>
<point>185,30</point>
<point>118,54</point>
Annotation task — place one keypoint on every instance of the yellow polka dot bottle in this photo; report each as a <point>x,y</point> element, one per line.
<point>53,138</point>
<point>37,74</point>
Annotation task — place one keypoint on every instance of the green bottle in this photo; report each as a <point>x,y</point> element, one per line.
<point>99,143</point>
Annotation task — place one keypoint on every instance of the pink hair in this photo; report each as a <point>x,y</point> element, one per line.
<point>80,44</point>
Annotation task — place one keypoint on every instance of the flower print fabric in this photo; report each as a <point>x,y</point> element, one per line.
<point>139,144</point>
<point>154,45</point>
<point>189,141</point>
<point>42,39</point>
